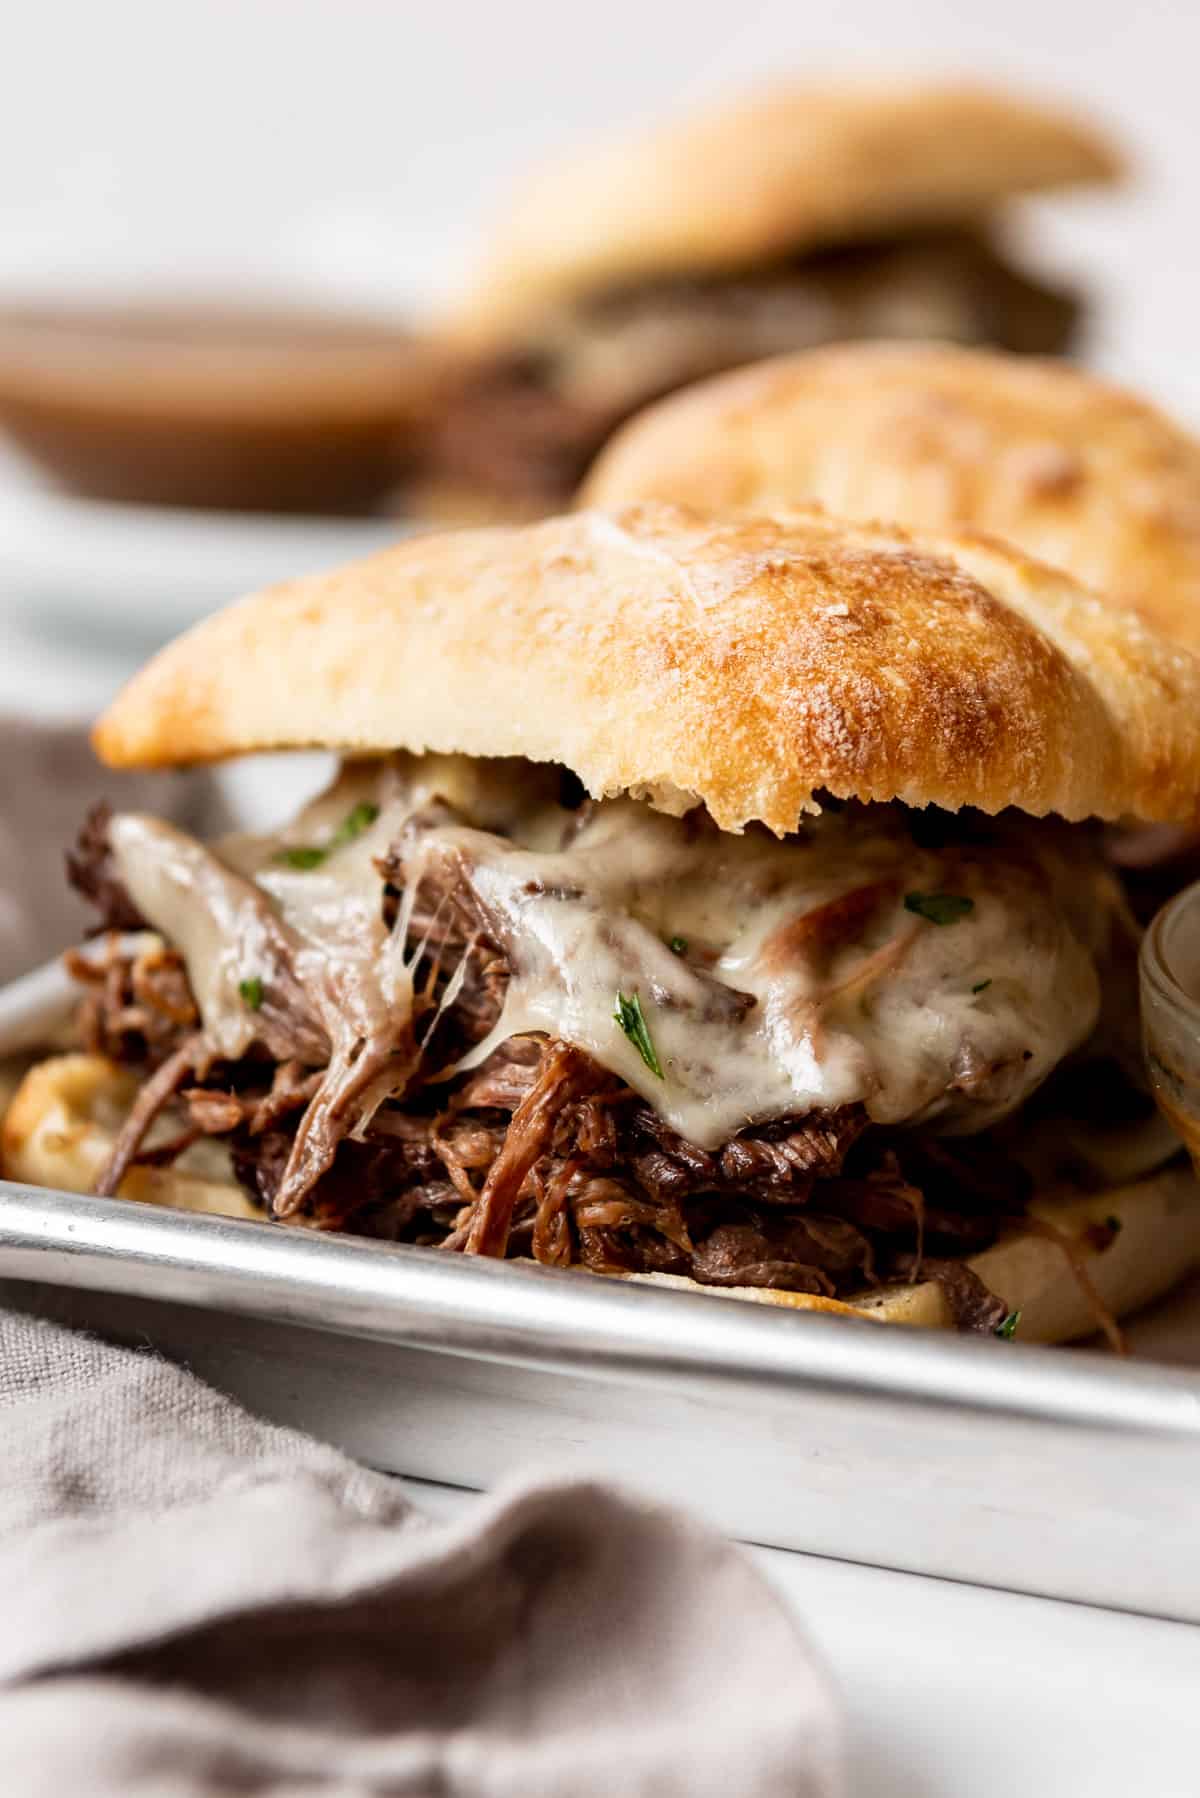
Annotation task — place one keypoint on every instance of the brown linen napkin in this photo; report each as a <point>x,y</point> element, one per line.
<point>196,1603</point>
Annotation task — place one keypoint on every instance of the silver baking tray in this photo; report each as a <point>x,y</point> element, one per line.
<point>1044,1471</point>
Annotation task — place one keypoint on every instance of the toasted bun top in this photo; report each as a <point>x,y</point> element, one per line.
<point>744,662</point>
<point>780,171</point>
<point>1080,474</point>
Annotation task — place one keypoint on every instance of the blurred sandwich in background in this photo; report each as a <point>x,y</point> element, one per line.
<point>789,218</point>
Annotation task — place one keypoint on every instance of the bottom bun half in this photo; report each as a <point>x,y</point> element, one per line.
<point>63,1119</point>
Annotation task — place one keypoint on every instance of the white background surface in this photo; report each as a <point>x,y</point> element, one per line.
<point>950,1692</point>
<point>358,145</point>
<point>353,147</point>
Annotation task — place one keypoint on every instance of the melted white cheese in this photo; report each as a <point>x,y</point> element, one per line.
<point>773,1009</point>
<point>224,928</point>
<point>247,920</point>
<point>884,1012</point>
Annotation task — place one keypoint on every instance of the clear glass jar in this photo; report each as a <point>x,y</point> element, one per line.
<point>1169,972</point>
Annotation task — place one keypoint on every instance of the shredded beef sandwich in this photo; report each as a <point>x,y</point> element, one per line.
<point>788,218</point>
<point>718,902</point>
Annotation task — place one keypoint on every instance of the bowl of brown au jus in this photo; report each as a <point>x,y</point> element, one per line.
<point>213,402</point>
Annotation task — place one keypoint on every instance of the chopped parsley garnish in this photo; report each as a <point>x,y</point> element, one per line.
<point>678,945</point>
<point>939,908</point>
<point>982,986</point>
<point>303,858</point>
<point>251,990</point>
<point>354,823</point>
<point>359,818</point>
<point>629,1016</point>
<point>1008,1329</point>
<point>1114,1224</point>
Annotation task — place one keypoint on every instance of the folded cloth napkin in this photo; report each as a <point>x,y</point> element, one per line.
<point>195,1602</point>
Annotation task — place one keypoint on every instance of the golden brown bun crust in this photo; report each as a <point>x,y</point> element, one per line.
<point>1074,471</point>
<point>781,171</point>
<point>446,505</point>
<point>744,662</point>
<point>60,1130</point>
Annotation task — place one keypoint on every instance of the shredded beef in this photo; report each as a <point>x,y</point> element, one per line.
<point>561,1077</point>
<point>972,1305</point>
<point>894,1207</point>
<point>449,934</point>
<point>810,1146</point>
<point>381,1186</point>
<point>218,1113</point>
<point>801,1254</point>
<point>90,871</point>
<point>539,1151</point>
<point>967,1176</point>
<point>503,1080</point>
<point>542,1152</point>
<point>190,1056</point>
<point>134,1007</point>
<point>617,1232</point>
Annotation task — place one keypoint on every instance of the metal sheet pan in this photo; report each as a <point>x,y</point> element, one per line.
<point>1037,1470</point>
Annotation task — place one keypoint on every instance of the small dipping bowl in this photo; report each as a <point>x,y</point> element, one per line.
<point>222,405</point>
<point>1169,971</point>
